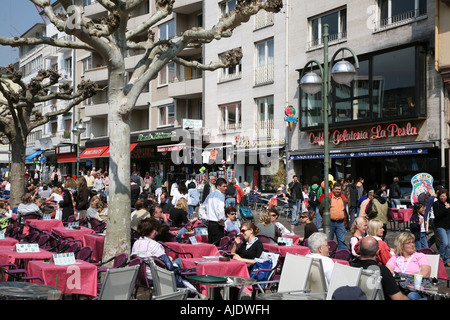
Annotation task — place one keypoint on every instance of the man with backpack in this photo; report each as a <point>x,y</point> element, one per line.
<point>314,193</point>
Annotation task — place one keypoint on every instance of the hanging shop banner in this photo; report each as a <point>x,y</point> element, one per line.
<point>422,188</point>
<point>169,148</point>
<point>361,154</point>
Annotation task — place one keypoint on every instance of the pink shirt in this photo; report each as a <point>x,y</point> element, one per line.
<point>408,266</point>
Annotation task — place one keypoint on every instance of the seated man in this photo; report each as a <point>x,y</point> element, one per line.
<point>368,259</point>
<point>318,245</point>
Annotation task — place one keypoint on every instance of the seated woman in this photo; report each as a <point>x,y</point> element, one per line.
<point>310,226</point>
<point>250,248</point>
<point>376,230</point>
<point>146,247</point>
<point>92,210</point>
<point>358,230</point>
<point>274,214</point>
<point>28,206</point>
<point>267,228</point>
<point>179,214</point>
<point>406,260</point>
<point>231,224</point>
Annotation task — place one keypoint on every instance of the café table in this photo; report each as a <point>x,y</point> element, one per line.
<point>197,250</point>
<point>79,278</point>
<point>77,234</point>
<point>42,224</point>
<point>27,290</point>
<point>7,241</point>
<point>97,242</point>
<point>215,267</point>
<point>296,249</point>
<point>226,283</point>
<point>10,255</point>
<point>295,238</point>
<point>199,237</point>
<point>439,291</point>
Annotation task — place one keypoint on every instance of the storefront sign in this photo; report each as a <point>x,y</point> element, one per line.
<point>376,132</point>
<point>174,147</point>
<point>192,123</point>
<point>244,142</point>
<point>361,154</point>
<point>142,152</point>
<point>155,136</point>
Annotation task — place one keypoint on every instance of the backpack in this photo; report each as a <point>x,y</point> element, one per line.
<point>313,199</point>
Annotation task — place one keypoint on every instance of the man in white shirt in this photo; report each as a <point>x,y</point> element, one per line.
<point>318,245</point>
<point>214,206</point>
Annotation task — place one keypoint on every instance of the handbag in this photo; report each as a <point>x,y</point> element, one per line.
<point>245,212</point>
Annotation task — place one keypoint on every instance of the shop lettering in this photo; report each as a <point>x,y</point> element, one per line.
<point>155,136</point>
<point>377,132</point>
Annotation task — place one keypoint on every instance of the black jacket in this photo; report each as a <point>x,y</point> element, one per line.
<point>295,190</point>
<point>67,205</point>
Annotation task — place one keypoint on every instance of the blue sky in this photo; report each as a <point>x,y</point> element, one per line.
<point>16,17</point>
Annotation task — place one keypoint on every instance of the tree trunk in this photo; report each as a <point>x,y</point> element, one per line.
<point>16,175</point>
<point>119,206</point>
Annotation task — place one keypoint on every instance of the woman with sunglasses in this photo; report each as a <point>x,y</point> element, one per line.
<point>249,248</point>
<point>310,227</point>
<point>231,224</point>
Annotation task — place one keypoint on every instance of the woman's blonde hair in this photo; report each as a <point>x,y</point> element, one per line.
<point>182,204</point>
<point>56,190</point>
<point>91,202</point>
<point>358,221</point>
<point>373,226</point>
<point>265,218</point>
<point>400,242</point>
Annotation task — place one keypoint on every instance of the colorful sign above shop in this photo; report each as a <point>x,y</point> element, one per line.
<point>155,136</point>
<point>376,132</point>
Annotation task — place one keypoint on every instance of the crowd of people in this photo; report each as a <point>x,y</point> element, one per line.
<point>163,214</point>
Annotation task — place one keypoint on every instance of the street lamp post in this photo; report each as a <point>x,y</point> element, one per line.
<point>78,129</point>
<point>342,72</point>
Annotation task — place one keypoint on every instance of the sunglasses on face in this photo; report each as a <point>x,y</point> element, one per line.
<point>244,230</point>
<point>232,213</point>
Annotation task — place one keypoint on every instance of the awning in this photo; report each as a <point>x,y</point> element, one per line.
<point>67,157</point>
<point>106,153</point>
<point>34,154</point>
<point>93,152</point>
<point>171,147</point>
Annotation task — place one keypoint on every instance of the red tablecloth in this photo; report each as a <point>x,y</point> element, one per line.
<point>200,238</point>
<point>197,250</point>
<point>407,214</point>
<point>79,278</point>
<point>77,234</point>
<point>10,255</point>
<point>219,268</point>
<point>341,261</point>
<point>295,239</point>
<point>43,224</point>
<point>97,242</point>
<point>8,242</point>
<point>273,247</point>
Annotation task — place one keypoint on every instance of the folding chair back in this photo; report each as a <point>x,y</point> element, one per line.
<point>178,295</point>
<point>433,260</point>
<point>370,284</point>
<point>316,280</point>
<point>118,283</point>
<point>343,275</point>
<point>294,273</point>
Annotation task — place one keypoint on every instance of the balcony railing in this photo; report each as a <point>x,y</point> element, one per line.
<point>333,38</point>
<point>264,74</point>
<point>400,19</point>
<point>230,126</point>
<point>264,128</point>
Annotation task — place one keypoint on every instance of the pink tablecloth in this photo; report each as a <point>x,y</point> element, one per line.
<point>220,268</point>
<point>273,247</point>
<point>76,234</point>
<point>295,239</point>
<point>43,224</point>
<point>97,242</point>
<point>198,237</point>
<point>407,214</point>
<point>8,242</point>
<point>341,261</point>
<point>197,250</point>
<point>10,255</point>
<point>79,278</point>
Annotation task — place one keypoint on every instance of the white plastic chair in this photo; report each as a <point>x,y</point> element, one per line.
<point>164,281</point>
<point>118,284</point>
<point>433,260</point>
<point>343,275</point>
<point>370,284</point>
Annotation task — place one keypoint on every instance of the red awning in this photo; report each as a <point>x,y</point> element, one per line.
<point>67,157</point>
<point>93,152</point>
<point>106,153</point>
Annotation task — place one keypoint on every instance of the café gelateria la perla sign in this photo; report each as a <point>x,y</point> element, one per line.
<point>376,132</point>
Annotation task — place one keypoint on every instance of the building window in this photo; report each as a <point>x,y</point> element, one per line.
<point>86,64</point>
<point>264,122</point>
<point>167,74</point>
<point>167,30</point>
<point>230,116</point>
<point>227,6</point>
<point>68,67</point>
<point>337,27</point>
<point>388,85</point>
<point>230,73</point>
<point>264,72</point>
<point>393,13</point>
<point>167,115</point>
